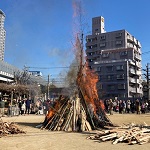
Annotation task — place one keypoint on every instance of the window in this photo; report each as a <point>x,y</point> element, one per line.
<point>119,67</point>
<point>94,46</point>
<point>111,87</point>
<point>120,76</point>
<point>90,54</point>
<point>118,42</point>
<point>90,47</point>
<point>102,44</point>
<point>89,40</point>
<point>110,77</point>
<point>109,68</point>
<point>124,53</point>
<point>100,77</point>
<point>104,55</point>
<point>121,86</point>
<point>103,37</point>
<point>98,68</point>
<point>122,95</point>
<point>100,86</point>
<point>118,35</point>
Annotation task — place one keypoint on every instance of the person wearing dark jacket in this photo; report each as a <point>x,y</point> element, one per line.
<point>28,106</point>
<point>20,106</point>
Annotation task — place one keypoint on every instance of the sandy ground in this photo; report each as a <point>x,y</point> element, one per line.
<point>36,139</point>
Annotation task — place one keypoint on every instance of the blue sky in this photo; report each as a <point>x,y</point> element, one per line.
<point>39,33</point>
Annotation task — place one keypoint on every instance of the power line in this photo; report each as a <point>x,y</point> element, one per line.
<point>49,67</point>
<point>146,52</point>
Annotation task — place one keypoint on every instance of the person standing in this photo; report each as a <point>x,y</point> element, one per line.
<point>110,107</point>
<point>28,106</point>
<point>23,108</point>
<point>2,106</point>
<point>120,107</point>
<point>20,105</point>
<point>124,107</point>
<point>143,108</point>
<point>128,106</point>
<point>137,104</point>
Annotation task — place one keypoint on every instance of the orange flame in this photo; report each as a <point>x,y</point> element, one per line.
<point>87,82</point>
<point>52,111</point>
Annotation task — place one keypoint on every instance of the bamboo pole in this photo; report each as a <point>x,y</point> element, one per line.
<point>74,116</point>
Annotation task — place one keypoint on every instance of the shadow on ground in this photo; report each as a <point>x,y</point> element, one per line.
<point>33,125</point>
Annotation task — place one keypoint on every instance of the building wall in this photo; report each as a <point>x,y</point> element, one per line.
<point>7,71</point>
<point>106,52</point>
<point>2,35</point>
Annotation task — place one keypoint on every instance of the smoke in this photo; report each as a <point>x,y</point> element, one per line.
<point>63,57</point>
<point>78,13</point>
<point>35,32</point>
<point>71,77</point>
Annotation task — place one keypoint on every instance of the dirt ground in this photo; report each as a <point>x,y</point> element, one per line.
<point>36,139</point>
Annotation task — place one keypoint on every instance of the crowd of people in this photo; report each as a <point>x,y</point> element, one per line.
<point>25,106</point>
<point>39,107</point>
<point>129,106</point>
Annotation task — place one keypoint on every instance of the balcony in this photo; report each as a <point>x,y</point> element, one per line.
<point>130,38</point>
<point>138,44</point>
<point>139,90</point>
<point>91,49</point>
<point>132,71</point>
<point>131,62</point>
<point>138,65</point>
<point>138,72</point>
<point>91,43</point>
<point>129,45</point>
<point>132,80</point>
<point>138,57</point>
<point>132,90</point>
<point>90,57</point>
<point>135,40</point>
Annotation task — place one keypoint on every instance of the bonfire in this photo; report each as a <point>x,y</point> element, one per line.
<point>82,111</point>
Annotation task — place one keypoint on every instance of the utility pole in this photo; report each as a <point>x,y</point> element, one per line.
<point>147,74</point>
<point>48,88</point>
<point>11,102</point>
<point>147,77</point>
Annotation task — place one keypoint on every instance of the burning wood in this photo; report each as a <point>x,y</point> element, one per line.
<point>84,111</point>
<point>129,134</point>
<point>9,128</point>
<point>73,114</point>
<point>70,116</point>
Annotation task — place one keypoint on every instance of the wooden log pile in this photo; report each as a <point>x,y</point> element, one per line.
<point>128,134</point>
<point>9,128</point>
<point>71,116</point>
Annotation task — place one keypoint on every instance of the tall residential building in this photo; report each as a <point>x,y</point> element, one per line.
<point>2,35</point>
<point>116,57</point>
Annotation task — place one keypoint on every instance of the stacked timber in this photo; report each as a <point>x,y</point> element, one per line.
<point>74,114</point>
<point>71,116</point>
<point>9,128</point>
<point>129,134</point>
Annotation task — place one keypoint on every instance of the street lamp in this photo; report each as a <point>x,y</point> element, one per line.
<point>48,86</point>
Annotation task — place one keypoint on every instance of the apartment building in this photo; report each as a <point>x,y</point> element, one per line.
<point>116,57</point>
<point>2,35</point>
